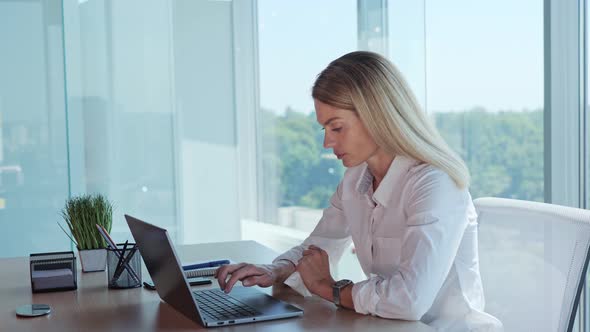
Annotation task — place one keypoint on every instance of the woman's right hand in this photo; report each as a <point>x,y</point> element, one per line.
<point>248,274</point>
<point>252,275</point>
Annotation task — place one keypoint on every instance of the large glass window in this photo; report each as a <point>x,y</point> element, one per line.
<point>298,173</point>
<point>33,147</point>
<point>486,100</point>
<point>157,109</point>
<point>484,83</point>
<point>485,91</point>
<point>134,100</point>
<point>121,107</point>
<point>485,97</point>
<point>144,101</point>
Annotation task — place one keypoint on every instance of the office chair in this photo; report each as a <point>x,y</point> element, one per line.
<point>533,261</point>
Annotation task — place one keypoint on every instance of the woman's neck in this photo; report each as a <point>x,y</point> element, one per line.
<point>379,165</point>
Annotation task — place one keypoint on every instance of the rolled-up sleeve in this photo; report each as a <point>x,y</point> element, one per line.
<point>436,212</point>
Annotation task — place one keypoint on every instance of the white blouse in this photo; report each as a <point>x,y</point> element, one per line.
<point>416,241</point>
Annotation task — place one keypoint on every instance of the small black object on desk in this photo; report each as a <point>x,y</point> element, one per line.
<point>149,285</point>
<point>197,281</point>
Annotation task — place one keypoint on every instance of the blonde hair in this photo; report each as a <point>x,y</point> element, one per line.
<point>370,85</point>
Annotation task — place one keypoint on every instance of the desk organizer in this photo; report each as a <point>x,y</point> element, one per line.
<point>53,271</point>
<point>124,266</point>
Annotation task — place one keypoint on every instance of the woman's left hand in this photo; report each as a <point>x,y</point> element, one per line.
<point>314,268</point>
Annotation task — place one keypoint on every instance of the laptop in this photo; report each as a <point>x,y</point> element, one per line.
<point>209,307</point>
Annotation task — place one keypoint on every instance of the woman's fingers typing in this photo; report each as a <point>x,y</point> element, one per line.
<point>241,273</point>
<point>261,280</point>
<point>253,274</point>
<point>222,272</point>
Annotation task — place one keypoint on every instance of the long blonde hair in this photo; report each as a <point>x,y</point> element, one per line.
<point>370,85</point>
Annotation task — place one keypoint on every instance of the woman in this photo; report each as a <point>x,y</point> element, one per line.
<point>403,201</point>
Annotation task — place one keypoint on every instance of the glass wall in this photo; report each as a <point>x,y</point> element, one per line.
<point>486,100</point>
<point>157,111</point>
<point>33,146</point>
<point>484,83</point>
<point>131,99</point>
<point>298,175</point>
<point>149,102</point>
<point>298,172</point>
<point>120,107</point>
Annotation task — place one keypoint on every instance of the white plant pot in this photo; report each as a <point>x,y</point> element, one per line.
<point>93,260</point>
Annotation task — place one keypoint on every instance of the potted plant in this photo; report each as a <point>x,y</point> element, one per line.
<point>82,214</point>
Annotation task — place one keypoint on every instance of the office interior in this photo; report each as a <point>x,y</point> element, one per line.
<point>196,115</point>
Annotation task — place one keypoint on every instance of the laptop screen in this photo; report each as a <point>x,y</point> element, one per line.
<point>164,266</point>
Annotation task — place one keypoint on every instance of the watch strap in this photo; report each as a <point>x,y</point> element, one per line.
<point>336,288</point>
<point>336,295</point>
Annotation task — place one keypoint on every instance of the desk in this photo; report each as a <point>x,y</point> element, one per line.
<point>94,307</point>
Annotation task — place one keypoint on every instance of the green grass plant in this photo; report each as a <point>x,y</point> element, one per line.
<point>82,213</point>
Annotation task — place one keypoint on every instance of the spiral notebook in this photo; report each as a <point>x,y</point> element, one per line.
<point>205,272</point>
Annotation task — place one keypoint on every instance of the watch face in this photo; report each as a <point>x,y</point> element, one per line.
<point>342,283</point>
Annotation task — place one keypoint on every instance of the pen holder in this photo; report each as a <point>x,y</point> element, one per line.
<point>124,266</point>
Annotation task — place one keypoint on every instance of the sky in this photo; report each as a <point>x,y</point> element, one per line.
<point>456,54</point>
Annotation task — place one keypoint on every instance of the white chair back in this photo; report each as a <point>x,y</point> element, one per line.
<point>533,261</point>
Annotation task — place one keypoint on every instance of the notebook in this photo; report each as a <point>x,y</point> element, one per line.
<point>205,272</point>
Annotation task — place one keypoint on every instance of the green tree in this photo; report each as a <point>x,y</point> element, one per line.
<point>503,150</point>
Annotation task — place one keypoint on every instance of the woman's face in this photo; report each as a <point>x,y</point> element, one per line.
<point>345,134</point>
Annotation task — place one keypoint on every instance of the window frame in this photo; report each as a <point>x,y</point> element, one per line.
<point>565,100</point>
<point>247,100</point>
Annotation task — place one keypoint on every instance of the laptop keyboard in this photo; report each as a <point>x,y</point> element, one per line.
<point>222,306</point>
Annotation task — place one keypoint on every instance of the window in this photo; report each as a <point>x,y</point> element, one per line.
<point>484,84</point>
<point>486,100</point>
<point>298,173</point>
<point>298,176</point>
<point>218,98</point>
<point>152,114</point>
<point>33,154</point>
<point>118,98</point>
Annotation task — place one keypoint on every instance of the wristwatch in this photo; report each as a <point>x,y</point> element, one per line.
<point>336,287</point>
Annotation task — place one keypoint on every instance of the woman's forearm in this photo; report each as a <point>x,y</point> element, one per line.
<point>282,269</point>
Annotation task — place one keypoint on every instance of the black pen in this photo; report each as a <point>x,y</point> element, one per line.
<point>113,246</point>
<point>126,265</point>
<point>118,269</point>
<point>149,286</point>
